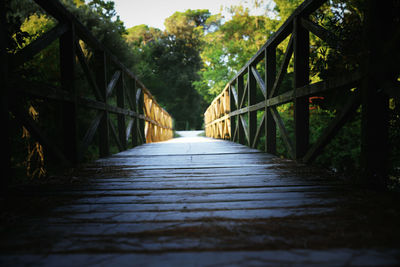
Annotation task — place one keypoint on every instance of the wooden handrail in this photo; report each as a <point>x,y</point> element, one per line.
<point>138,115</point>
<point>231,123</point>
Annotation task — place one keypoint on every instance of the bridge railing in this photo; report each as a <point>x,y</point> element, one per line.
<point>217,118</point>
<point>233,114</point>
<point>124,109</point>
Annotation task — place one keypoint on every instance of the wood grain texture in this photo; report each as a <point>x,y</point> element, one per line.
<point>197,201</point>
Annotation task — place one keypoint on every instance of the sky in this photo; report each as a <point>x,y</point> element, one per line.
<point>154,12</point>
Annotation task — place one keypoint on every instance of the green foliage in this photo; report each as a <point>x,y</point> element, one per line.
<point>228,47</point>
<point>188,25</point>
<point>285,8</point>
<point>142,34</point>
<point>168,63</point>
<point>190,63</point>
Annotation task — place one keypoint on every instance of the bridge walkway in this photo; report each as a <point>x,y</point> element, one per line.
<point>196,201</point>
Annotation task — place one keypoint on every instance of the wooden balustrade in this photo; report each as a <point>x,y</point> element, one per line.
<point>233,113</point>
<point>216,117</point>
<point>125,110</point>
<point>158,125</point>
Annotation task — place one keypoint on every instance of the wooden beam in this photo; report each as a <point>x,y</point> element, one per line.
<point>216,121</point>
<point>91,131</point>
<point>270,76</point>
<point>28,52</point>
<point>115,135</point>
<point>88,74</point>
<point>69,109</point>
<point>334,83</point>
<point>320,32</point>
<point>259,80</point>
<point>128,94</point>
<point>121,117</point>
<point>129,129</point>
<point>235,96</point>
<point>39,135</point>
<point>301,43</point>
<point>93,104</point>
<point>260,129</point>
<point>135,126</point>
<point>378,32</point>
<point>252,115</point>
<point>244,94</point>
<point>141,123</point>
<point>41,90</point>
<point>303,10</point>
<point>336,124</point>
<point>234,138</point>
<point>233,106</point>
<point>245,127</point>
<point>284,133</point>
<point>283,69</point>
<point>4,104</point>
<point>100,62</point>
<point>113,82</point>
<point>255,107</point>
<point>240,92</point>
<point>138,95</point>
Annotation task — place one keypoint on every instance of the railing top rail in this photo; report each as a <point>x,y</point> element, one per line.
<point>304,9</point>
<point>363,84</point>
<point>59,12</point>
<point>114,100</point>
<point>217,97</point>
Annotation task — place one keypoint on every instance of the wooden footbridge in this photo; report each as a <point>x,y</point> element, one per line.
<point>196,201</point>
<point>192,200</point>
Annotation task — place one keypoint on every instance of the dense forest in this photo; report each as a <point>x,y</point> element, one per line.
<point>189,63</point>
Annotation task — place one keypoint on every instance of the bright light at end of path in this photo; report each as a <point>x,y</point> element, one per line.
<point>191,137</point>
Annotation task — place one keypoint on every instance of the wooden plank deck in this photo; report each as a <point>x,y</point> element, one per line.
<point>194,201</point>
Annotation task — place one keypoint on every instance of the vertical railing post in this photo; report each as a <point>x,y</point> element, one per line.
<point>378,31</point>
<point>270,76</point>
<point>4,102</point>
<point>240,92</point>
<point>251,94</point>
<point>121,104</point>
<point>232,108</point>
<point>141,124</point>
<point>101,78</point>
<point>135,125</point>
<point>69,109</point>
<point>301,78</point>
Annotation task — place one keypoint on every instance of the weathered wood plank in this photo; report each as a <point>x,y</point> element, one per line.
<point>253,257</point>
<point>184,195</point>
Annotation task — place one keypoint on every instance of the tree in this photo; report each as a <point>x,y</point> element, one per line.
<point>142,34</point>
<point>168,63</point>
<point>229,47</point>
